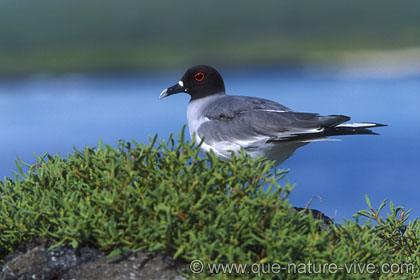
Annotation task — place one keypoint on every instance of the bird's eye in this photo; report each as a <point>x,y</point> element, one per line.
<point>199,77</point>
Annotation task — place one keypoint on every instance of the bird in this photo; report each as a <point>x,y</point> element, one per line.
<point>226,124</point>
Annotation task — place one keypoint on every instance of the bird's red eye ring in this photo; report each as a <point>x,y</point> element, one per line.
<point>199,77</point>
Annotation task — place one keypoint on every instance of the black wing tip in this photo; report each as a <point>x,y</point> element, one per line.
<point>333,120</point>
<point>379,125</point>
<point>340,116</point>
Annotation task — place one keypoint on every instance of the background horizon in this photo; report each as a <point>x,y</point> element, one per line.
<point>163,35</point>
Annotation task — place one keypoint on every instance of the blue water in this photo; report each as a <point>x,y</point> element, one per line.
<point>52,114</point>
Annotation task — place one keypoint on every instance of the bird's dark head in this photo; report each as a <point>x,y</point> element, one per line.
<point>198,81</point>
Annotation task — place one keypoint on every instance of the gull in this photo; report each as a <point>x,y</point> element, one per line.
<point>228,123</point>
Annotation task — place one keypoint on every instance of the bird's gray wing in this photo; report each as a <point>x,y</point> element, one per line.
<point>231,105</point>
<point>253,121</point>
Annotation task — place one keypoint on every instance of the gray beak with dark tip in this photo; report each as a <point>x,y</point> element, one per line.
<point>179,87</point>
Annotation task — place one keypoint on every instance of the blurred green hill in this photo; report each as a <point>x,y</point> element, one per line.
<point>111,35</point>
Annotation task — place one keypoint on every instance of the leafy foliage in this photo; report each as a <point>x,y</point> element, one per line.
<point>164,197</point>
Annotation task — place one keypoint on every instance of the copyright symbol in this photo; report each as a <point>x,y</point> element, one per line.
<point>196,266</point>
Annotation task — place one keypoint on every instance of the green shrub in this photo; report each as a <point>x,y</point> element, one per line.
<point>165,197</point>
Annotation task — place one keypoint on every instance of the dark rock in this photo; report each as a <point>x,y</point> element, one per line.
<point>135,266</point>
<point>35,261</point>
<point>326,221</point>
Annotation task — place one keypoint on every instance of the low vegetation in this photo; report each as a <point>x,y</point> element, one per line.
<point>164,197</point>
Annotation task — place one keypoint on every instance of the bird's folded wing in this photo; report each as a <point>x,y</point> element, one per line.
<point>251,121</point>
<point>251,128</point>
<point>231,105</point>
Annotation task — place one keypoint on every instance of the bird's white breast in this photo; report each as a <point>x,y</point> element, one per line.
<point>195,112</point>
<point>196,117</point>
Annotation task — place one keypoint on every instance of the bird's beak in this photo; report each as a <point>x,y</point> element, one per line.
<point>179,87</point>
